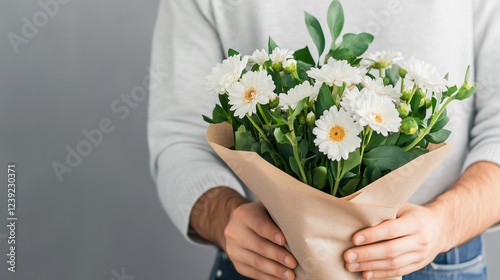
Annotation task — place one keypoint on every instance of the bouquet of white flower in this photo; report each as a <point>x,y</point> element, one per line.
<point>350,123</point>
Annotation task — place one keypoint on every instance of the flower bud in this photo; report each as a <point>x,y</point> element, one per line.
<point>402,72</point>
<point>277,66</point>
<point>408,126</point>
<point>406,94</point>
<point>386,81</point>
<point>274,101</point>
<point>311,119</point>
<point>290,66</point>
<point>302,119</point>
<point>403,110</point>
<point>428,103</point>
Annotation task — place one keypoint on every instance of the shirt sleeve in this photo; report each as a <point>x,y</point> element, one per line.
<point>485,133</point>
<point>185,48</point>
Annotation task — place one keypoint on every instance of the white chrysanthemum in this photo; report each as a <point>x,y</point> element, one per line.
<point>258,57</point>
<point>378,87</point>
<point>350,99</point>
<point>336,73</point>
<point>336,134</point>
<point>424,75</point>
<point>253,88</point>
<point>378,112</point>
<point>296,94</point>
<point>280,55</point>
<point>380,60</point>
<point>224,75</point>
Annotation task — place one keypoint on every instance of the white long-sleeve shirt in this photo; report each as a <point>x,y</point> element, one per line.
<point>192,36</point>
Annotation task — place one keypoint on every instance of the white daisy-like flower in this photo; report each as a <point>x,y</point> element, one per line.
<point>280,55</point>
<point>337,135</point>
<point>380,60</point>
<point>350,99</point>
<point>336,73</point>
<point>378,112</point>
<point>253,88</point>
<point>296,94</point>
<point>258,57</point>
<point>424,75</point>
<point>377,86</point>
<point>225,74</point>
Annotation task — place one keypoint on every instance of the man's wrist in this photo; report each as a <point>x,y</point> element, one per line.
<point>212,211</point>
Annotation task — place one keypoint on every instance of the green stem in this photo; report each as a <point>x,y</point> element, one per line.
<point>337,180</point>
<point>412,93</point>
<point>402,84</point>
<point>262,113</point>
<point>296,77</point>
<point>431,125</point>
<point>381,72</point>
<point>295,147</point>
<point>366,134</point>
<point>258,128</point>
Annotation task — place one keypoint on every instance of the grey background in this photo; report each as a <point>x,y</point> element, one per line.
<point>104,220</point>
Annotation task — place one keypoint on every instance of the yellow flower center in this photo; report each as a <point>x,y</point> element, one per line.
<point>377,117</point>
<point>249,95</point>
<point>337,133</point>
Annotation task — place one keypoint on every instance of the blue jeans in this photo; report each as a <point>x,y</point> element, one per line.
<point>466,262</point>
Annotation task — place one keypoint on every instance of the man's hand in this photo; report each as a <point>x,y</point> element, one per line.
<point>254,244</point>
<point>397,247</point>
<point>245,231</point>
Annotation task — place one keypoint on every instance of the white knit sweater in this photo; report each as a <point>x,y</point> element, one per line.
<point>191,36</point>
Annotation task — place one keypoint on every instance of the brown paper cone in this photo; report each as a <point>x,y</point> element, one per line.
<point>319,227</point>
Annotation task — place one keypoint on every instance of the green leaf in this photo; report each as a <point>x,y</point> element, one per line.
<point>280,136</point>
<point>316,32</point>
<point>417,151</point>
<point>405,139</point>
<point>352,161</point>
<point>277,81</point>
<point>466,80</point>
<point>342,54</point>
<point>387,157</point>
<point>304,55</point>
<point>324,101</point>
<point>350,187</point>
<point>447,76</point>
<point>271,45</point>
<point>294,166</point>
<point>392,139</point>
<point>243,139</point>
<point>299,107</point>
<point>450,91</point>
<point>357,43</point>
<point>224,101</point>
<point>319,176</point>
<point>219,115</point>
<point>303,148</point>
<point>440,123</point>
<point>392,74</point>
<point>232,52</point>
<point>375,140</point>
<point>207,119</point>
<point>438,137</point>
<point>335,19</point>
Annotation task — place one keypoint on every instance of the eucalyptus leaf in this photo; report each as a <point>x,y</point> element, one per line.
<point>280,136</point>
<point>335,19</point>
<point>304,55</point>
<point>350,187</point>
<point>351,162</point>
<point>438,137</point>
<point>357,43</point>
<point>271,45</point>
<point>316,32</point>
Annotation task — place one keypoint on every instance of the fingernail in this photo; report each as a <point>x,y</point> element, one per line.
<point>360,239</point>
<point>287,261</point>
<point>353,266</point>
<point>286,274</point>
<point>369,275</point>
<point>277,238</point>
<point>352,257</point>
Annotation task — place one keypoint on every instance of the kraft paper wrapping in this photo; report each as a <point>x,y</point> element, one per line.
<point>319,227</point>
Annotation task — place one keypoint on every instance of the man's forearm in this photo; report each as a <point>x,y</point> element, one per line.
<point>471,206</point>
<point>211,213</point>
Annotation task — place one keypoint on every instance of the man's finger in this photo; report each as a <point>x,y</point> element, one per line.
<point>385,231</point>
<point>263,265</point>
<point>382,251</point>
